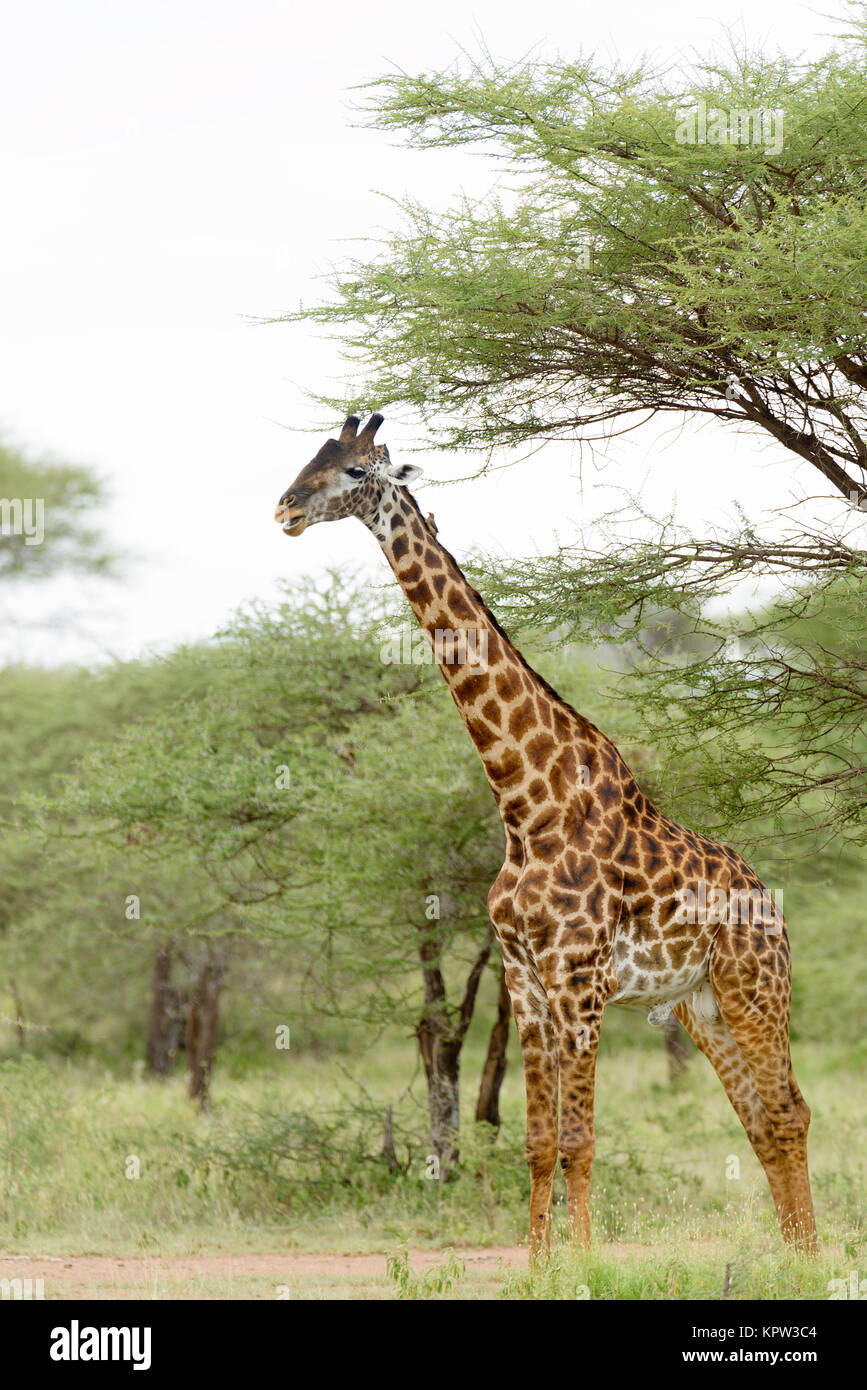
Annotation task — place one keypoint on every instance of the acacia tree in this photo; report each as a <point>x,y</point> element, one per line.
<point>762,711</point>
<point>676,243</point>
<point>61,535</point>
<point>672,242</point>
<point>186,807</point>
<point>65,944</point>
<point>314,797</point>
<point>46,529</point>
<point>411,890</point>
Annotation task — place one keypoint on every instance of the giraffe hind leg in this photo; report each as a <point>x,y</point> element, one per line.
<point>712,1037</point>
<point>804,1229</point>
<point>789,1116</point>
<point>750,975</point>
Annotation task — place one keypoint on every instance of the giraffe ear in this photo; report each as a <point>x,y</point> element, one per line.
<point>404,473</point>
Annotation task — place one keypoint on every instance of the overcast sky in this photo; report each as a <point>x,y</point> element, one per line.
<point>171,171</point>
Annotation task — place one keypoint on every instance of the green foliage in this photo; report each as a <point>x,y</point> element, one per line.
<point>158,779</point>
<point>433,1282</point>
<point>760,712</point>
<point>69,496</point>
<point>298,1161</point>
<point>65,945</point>
<point>670,240</point>
<point>640,261</point>
<point>294,793</point>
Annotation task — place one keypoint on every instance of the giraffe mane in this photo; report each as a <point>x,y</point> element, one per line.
<point>496,624</point>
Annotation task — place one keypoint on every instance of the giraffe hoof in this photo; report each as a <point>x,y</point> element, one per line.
<point>659,1014</point>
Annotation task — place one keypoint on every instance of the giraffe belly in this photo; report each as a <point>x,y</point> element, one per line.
<point>642,983</point>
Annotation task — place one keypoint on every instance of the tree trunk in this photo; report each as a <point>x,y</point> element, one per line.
<point>389,1152</point>
<point>488,1106</point>
<point>19,1012</point>
<point>440,1053</point>
<point>159,1051</point>
<point>677,1047</point>
<point>202,1019</point>
<point>440,1039</point>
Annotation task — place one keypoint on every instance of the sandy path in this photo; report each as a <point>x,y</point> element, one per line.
<point>87,1276</point>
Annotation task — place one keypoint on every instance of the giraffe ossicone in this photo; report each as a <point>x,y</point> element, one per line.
<point>588,906</point>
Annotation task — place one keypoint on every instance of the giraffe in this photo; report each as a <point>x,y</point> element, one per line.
<point>601,898</point>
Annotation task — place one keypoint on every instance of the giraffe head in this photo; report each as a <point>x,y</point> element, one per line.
<point>348,477</point>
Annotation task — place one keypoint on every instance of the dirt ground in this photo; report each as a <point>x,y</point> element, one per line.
<point>284,1276</point>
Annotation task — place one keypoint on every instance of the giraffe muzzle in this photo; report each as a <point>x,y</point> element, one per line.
<point>293,521</point>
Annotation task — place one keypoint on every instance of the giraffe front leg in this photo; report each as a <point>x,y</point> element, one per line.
<point>541,1154</point>
<point>577,989</point>
<point>539,1052</point>
<point>578,1043</point>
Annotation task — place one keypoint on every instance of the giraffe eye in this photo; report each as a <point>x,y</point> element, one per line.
<point>355,472</point>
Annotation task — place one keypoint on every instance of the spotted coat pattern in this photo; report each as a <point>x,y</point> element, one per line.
<point>588,908</point>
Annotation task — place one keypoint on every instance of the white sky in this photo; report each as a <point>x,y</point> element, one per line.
<point>168,169</point>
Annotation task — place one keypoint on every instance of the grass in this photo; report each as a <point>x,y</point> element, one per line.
<point>735,1269</point>
<point>680,1206</point>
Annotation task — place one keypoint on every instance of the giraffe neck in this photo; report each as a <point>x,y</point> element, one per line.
<point>530,742</point>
